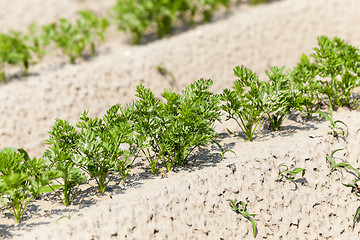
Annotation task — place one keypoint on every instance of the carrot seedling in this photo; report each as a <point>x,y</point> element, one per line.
<point>223,151</point>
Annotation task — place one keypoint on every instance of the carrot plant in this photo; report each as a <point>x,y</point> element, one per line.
<point>14,51</point>
<point>132,16</point>
<point>14,184</point>
<point>101,145</point>
<point>244,104</point>
<point>279,96</point>
<point>21,180</point>
<point>75,39</point>
<point>190,121</point>
<point>171,131</point>
<point>240,207</point>
<point>207,7</point>
<point>289,174</point>
<point>122,118</point>
<point>338,67</point>
<point>41,176</point>
<point>36,41</point>
<point>303,78</point>
<point>138,16</point>
<point>63,145</point>
<point>253,99</point>
<point>147,125</point>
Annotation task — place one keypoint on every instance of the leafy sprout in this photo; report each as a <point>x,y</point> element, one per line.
<point>335,129</point>
<point>223,151</point>
<point>240,207</point>
<point>20,181</point>
<point>331,160</point>
<point>289,174</point>
<point>354,186</point>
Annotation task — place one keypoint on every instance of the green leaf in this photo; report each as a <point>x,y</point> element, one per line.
<point>47,189</point>
<point>297,170</point>
<point>356,216</point>
<point>349,185</point>
<point>253,226</point>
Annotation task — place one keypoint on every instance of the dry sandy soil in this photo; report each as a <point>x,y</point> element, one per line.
<point>189,203</point>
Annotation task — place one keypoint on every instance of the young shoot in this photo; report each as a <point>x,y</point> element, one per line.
<point>333,166</point>
<point>336,130</point>
<point>289,174</point>
<point>240,207</point>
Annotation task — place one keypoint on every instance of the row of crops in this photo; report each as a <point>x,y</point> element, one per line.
<point>79,39</point>
<point>165,133</point>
